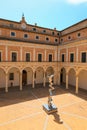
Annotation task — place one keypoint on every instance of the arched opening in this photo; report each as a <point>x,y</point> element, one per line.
<point>2,78</point>
<point>49,71</point>
<point>82,83</point>
<point>72,78</point>
<point>24,77</point>
<point>27,76</point>
<point>63,76</point>
<point>39,75</point>
<point>13,77</point>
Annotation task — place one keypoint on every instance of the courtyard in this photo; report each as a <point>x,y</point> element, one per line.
<point>22,110</point>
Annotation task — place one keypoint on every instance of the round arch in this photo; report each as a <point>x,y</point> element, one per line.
<point>27,76</point>
<point>39,75</point>
<point>63,75</point>
<point>13,76</point>
<point>72,77</point>
<point>2,78</point>
<point>82,78</point>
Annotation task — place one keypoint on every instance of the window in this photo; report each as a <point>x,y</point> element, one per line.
<point>61,40</point>
<point>71,57</point>
<point>53,33</point>
<point>62,57</point>
<point>69,37</point>
<point>11,25</point>
<point>83,57</point>
<point>58,34</point>
<point>25,35</point>
<point>27,56</point>
<point>37,37</point>
<point>13,34</point>
<point>0,56</point>
<point>79,34</point>
<point>47,39</point>
<point>14,56</point>
<point>34,29</point>
<point>44,31</point>
<point>50,57</point>
<point>11,76</point>
<point>39,57</point>
<point>56,40</point>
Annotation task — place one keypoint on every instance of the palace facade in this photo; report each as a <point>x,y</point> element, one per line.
<point>29,53</point>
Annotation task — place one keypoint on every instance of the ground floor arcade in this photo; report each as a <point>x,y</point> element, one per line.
<point>22,74</point>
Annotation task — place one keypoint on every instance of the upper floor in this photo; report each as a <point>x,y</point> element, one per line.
<point>23,32</point>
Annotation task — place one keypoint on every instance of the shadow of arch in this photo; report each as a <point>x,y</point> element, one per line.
<point>63,76</point>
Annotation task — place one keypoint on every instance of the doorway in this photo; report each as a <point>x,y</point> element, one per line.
<point>24,77</point>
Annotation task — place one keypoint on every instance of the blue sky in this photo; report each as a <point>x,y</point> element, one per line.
<point>46,13</point>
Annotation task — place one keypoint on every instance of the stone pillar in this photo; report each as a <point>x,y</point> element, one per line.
<point>67,55</point>
<point>76,83</point>
<point>66,80</point>
<point>21,54</point>
<point>20,81</point>
<point>34,54</point>
<point>44,80</point>
<point>45,55</point>
<point>33,83</point>
<point>76,54</point>
<point>6,53</point>
<point>6,86</point>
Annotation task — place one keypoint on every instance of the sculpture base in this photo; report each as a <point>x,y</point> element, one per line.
<point>48,110</point>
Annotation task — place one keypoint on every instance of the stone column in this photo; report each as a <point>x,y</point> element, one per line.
<point>21,54</point>
<point>44,80</point>
<point>76,83</point>
<point>6,53</point>
<point>67,55</point>
<point>20,81</point>
<point>34,54</point>
<point>6,87</point>
<point>66,80</point>
<point>76,54</point>
<point>33,83</point>
<point>45,55</point>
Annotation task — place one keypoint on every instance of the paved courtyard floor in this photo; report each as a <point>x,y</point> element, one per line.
<point>22,110</point>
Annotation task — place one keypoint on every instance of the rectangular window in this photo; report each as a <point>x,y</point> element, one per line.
<point>50,57</point>
<point>25,35</point>
<point>71,57</point>
<point>11,76</point>
<point>13,34</point>
<point>62,57</point>
<point>39,57</point>
<point>0,56</point>
<point>14,56</point>
<point>27,56</point>
<point>83,57</point>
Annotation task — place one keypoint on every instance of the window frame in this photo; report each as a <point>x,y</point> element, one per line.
<point>82,60</point>
<point>25,57</point>
<point>12,35</point>
<point>16,56</point>
<point>41,57</point>
<point>50,54</point>
<point>73,56</point>
<point>63,59</point>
